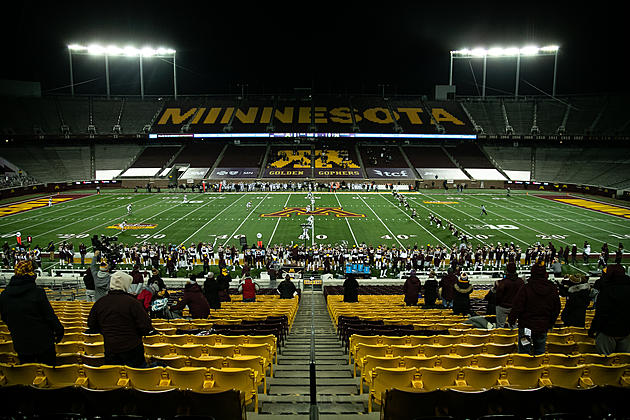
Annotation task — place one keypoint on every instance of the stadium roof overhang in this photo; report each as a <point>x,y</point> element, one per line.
<point>314,135</point>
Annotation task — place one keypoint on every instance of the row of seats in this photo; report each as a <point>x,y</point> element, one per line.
<point>198,379</point>
<point>475,378</point>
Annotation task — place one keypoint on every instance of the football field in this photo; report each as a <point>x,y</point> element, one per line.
<point>351,218</point>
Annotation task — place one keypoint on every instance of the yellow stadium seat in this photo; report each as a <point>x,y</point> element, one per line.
<point>503,339</point>
<point>188,350</point>
<point>263,350</point>
<point>393,341</point>
<point>468,349</point>
<point>93,349</point>
<point>564,376</point>
<point>620,358</point>
<point>436,378</point>
<point>64,375</point>
<point>166,330</point>
<point>93,338</point>
<point>489,361</point>
<point>265,339</point>
<point>436,350</point>
<point>523,377</point>
<point>84,359</point>
<point>582,338</point>
<point>500,349</point>
<point>149,379</point>
<point>371,362</point>
<point>208,340</point>
<point>448,340</point>
<point>474,339</point>
<point>231,339</point>
<point>559,348</point>
<point>481,378</point>
<point>363,350</point>
<point>421,339</point>
<point>179,339</point>
<point>25,374</point>
<point>234,378</point>
<point>400,351</point>
<point>453,360</point>
<point>563,360</point>
<point>172,360</point>
<point>207,361</point>
<point>69,347</point>
<point>161,349</point>
<point>72,337</point>
<point>389,378</point>
<point>585,347</point>
<point>604,375</point>
<point>153,339</point>
<point>221,350</point>
<point>68,359</point>
<point>255,363</point>
<point>595,359</point>
<point>419,361</point>
<point>558,338</point>
<point>193,378</point>
<point>525,360</point>
<point>363,339</point>
<point>105,377</point>
<point>9,358</point>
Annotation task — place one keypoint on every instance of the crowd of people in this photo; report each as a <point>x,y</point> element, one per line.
<point>16,180</point>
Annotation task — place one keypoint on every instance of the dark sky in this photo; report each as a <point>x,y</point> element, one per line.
<point>330,46</point>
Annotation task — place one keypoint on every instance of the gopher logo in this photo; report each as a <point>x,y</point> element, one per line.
<point>319,211</point>
<point>134,226</point>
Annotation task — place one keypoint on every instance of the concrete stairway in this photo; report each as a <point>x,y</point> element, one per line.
<point>337,391</point>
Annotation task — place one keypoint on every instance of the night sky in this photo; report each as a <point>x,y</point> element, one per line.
<point>331,47</point>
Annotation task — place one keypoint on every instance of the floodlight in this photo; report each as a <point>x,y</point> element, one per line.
<point>529,50</point>
<point>550,48</point>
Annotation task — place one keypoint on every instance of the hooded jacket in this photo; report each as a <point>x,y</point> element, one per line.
<point>411,289</point>
<point>537,304</point>
<point>211,292</point>
<point>31,319</point>
<point>195,300</point>
<point>101,280</point>
<point>286,288</point>
<point>578,299</point>
<point>507,288</point>
<point>612,316</point>
<point>461,298</point>
<point>446,284</point>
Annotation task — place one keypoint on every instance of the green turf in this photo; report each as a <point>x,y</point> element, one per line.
<point>221,218</point>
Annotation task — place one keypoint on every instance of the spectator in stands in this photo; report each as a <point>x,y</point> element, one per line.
<point>193,298</point>
<point>461,295</point>
<point>286,288</point>
<point>31,320</point>
<point>350,289</point>
<point>411,289</point>
<point>157,279</point>
<point>88,281</point>
<point>573,254</point>
<point>536,307</point>
<point>507,288</point>
<point>586,252</point>
<point>137,284</point>
<point>491,300</point>
<point>446,288</point>
<point>249,288</point>
<point>122,321</point>
<point>211,291</point>
<point>82,252</point>
<point>147,295</point>
<point>101,275</point>
<point>430,290</point>
<point>611,323</point>
<point>619,254</point>
<point>556,267</point>
<point>578,293</point>
<point>224,280</point>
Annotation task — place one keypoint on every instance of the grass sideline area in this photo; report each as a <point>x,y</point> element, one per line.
<point>374,218</point>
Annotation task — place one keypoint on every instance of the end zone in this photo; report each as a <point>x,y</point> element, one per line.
<point>22,206</point>
<point>599,206</point>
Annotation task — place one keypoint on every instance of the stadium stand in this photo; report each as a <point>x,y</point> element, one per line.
<point>150,161</point>
<point>433,162</point>
<point>382,157</point>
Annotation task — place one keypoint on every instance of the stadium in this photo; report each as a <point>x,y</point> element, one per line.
<point>400,218</point>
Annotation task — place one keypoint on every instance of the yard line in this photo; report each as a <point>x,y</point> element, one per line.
<point>347,221</point>
<point>575,210</point>
<point>245,219</point>
<point>278,221</point>
<point>372,210</point>
<point>571,220</point>
<point>209,221</point>
<point>544,221</point>
<point>415,221</point>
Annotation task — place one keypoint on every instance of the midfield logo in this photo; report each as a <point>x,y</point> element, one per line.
<point>319,211</point>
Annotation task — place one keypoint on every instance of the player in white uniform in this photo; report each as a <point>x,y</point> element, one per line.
<point>185,199</point>
<point>50,202</point>
<point>129,209</point>
<point>123,225</point>
<point>249,204</point>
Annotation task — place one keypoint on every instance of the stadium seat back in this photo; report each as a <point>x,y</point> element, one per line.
<point>150,379</point>
<point>488,361</point>
<point>221,350</point>
<point>436,378</point>
<point>468,349</point>
<point>451,361</point>
<point>389,378</point>
<point>564,376</point>
<point>191,378</point>
<point>481,378</point>
<point>523,377</point>
<point>525,360</point>
<point>419,361</point>
<point>105,377</point>
<point>24,374</point>
<point>400,351</point>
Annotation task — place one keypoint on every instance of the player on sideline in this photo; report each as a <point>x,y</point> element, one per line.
<point>123,225</point>
<point>483,210</point>
<point>49,201</point>
<point>508,191</point>
<point>185,199</point>
<point>248,205</point>
<point>129,209</point>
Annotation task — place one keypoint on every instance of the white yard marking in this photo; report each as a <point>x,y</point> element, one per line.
<point>383,223</point>
<point>347,221</point>
<point>209,221</point>
<point>245,219</point>
<point>278,221</point>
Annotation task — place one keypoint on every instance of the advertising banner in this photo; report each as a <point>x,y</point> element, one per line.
<point>338,173</point>
<point>390,173</point>
<point>287,173</point>
<point>224,173</point>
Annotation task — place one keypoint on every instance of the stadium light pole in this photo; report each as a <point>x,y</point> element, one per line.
<point>128,51</point>
<point>527,51</point>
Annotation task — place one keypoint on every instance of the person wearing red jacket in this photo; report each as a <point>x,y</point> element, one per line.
<point>249,289</point>
<point>193,298</point>
<point>147,295</point>
<point>536,307</point>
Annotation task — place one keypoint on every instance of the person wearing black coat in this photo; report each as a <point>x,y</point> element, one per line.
<point>430,291</point>
<point>88,281</point>
<point>286,288</point>
<point>223,281</point>
<point>25,308</point>
<point>578,294</point>
<point>211,291</point>
<point>461,296</point>
<point>411,289</point>
<point>350,289</point>
<point>611,323</point>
